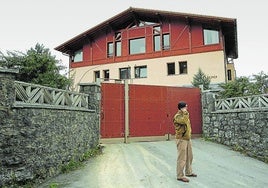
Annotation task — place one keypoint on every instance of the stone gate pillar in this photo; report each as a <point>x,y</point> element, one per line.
<point>93,90</point>
<point>208,106</point>
<point>7,90</point>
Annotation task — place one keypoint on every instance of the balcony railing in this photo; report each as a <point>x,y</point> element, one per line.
<point>237,103</point>
<point>40,96</point>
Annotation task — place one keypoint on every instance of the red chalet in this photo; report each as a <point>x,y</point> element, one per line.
<point>154,47</point>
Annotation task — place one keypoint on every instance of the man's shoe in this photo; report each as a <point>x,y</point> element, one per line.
<point>191,175</point>
<point>183,179</point>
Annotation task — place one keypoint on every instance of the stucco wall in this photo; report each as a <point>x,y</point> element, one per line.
<point>211,63</point>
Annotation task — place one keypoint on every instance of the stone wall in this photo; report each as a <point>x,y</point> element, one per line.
<point>36,142</point>
<point>244,130</point>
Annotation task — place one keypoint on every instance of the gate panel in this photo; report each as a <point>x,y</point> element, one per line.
<point>112,111</point>
<point>147,113</point>
<point>192,97</point>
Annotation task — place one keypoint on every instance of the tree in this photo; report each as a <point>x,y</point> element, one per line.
<point>36,66</point>
<point>261,80</point>
<point>244,86</point>
<point>237,88</point>
<point>201,79</point>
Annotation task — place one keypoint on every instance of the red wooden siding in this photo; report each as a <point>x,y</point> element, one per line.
<point>151,109</point>
<point>184,39</point>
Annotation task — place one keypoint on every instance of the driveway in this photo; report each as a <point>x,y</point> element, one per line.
<point>153,165</point>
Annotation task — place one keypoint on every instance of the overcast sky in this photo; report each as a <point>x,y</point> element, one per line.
<point>52,22</point>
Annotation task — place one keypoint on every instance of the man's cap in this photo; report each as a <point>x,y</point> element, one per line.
<point>181,105</point>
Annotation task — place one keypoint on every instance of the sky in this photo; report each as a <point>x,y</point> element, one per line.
<point>24,23</point>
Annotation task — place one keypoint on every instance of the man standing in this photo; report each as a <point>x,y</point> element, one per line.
<point>183,141</point>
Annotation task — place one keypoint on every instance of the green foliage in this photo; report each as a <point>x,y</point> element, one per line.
<point>244,86</point>
<point>261,81</point>
<point>72,165</point>
<point>36,66</point>
<point>53,185</point>
<point>201,79</point>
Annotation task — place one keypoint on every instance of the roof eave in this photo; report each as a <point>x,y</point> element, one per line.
<point>71,45</point>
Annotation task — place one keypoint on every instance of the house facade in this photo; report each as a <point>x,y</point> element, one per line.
<point>154,47</point>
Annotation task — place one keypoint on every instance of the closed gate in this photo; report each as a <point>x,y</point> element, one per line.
<point>150,109</point>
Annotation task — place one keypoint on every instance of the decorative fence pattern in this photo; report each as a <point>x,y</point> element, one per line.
<point>36,95</point>
<point>237,103</point>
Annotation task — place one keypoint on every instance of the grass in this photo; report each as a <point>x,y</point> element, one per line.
<point>76,164</point>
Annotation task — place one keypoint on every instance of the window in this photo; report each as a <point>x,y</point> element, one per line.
<point>166,42</point>
<point>137,46</point>
<point>106,75</point>
<point>110,49</point>
<point>161,41</point>
<point>124,73</point>
<point>118,48</point>
<point>141,72</point>
<point>96,75</point>
<point>118,44</point>
<point>114,48</point>
<point>118,36</point>
<point>157,30</point>
<point>183,67</point>
<point>229,74</point>
<point>211,36</point>
<point>157,43</point>
<point>78,56</point>
<point>171,68</point>
<point>141,23</point>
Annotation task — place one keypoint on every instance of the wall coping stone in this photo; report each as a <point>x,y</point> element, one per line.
<point>5,70</point>
<point>89,84</point>
<point>240,110</point>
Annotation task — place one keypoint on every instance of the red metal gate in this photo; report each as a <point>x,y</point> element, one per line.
<point>151,109</point>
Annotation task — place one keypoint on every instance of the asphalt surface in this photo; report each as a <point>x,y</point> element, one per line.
<point>153,165</point>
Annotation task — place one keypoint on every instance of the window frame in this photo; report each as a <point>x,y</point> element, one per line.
<point>105,73</point>
<point>78,56</point>
<point>118,48</point>
<point>138,69</point>
<point>110,49</point>
<point>157,43</point>
<point>181,69</point>
<point>96,75</point>
<point>128,69</point>
<point>133,49</point>
<point>164,41</point>
<point>211,36</point>
<point>229,74</point>
<point>171,70</point>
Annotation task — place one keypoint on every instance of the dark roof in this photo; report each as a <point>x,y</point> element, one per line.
<point>125,18</point>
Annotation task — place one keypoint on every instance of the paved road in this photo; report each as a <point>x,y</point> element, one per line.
<point>153,165</point>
